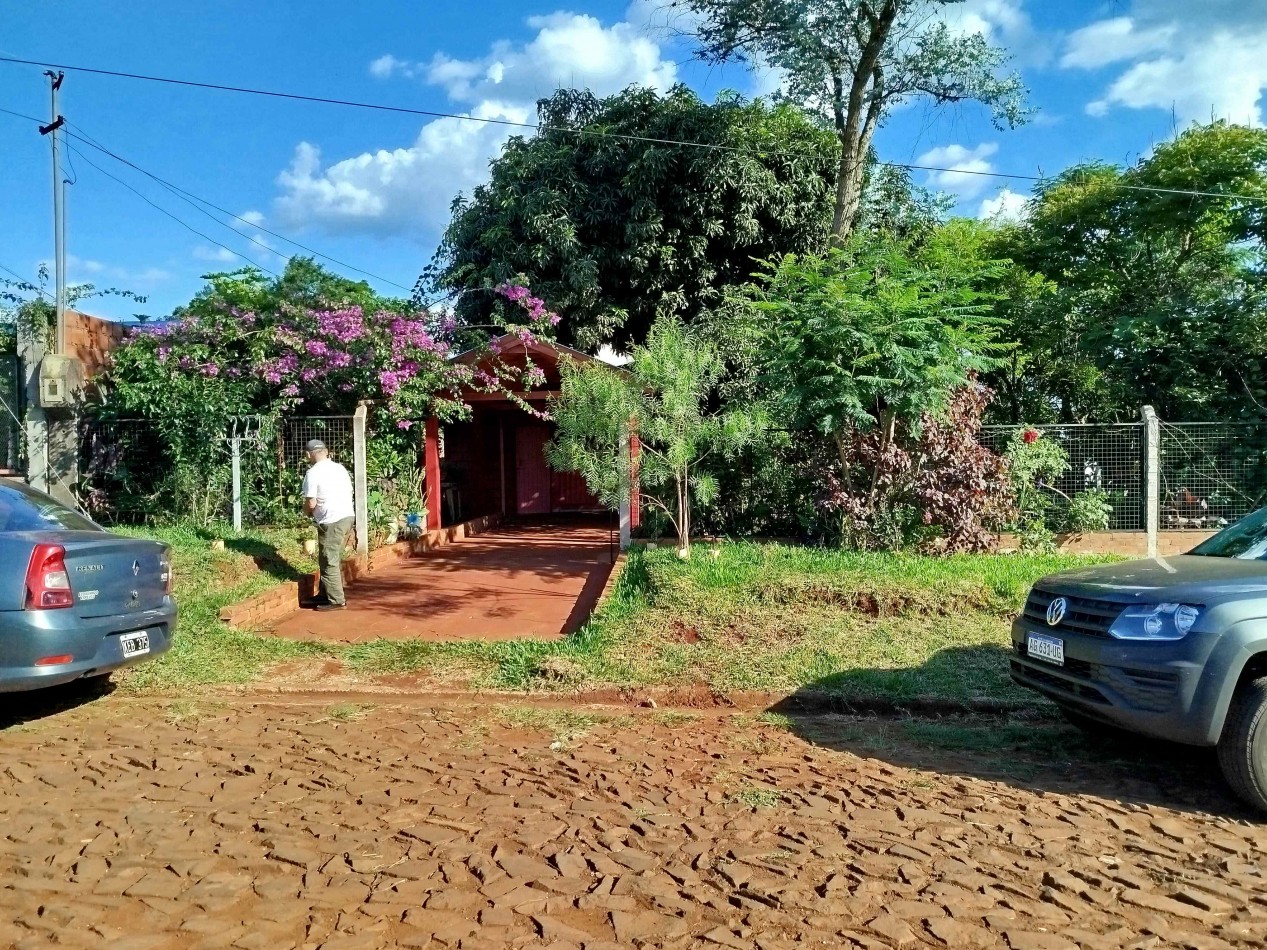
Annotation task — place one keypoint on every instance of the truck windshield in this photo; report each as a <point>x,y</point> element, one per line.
<point>1247,539</point>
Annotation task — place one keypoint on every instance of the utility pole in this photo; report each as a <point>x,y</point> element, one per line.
<point>59,209</point>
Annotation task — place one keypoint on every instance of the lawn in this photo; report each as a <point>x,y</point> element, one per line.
<point>858,627</point>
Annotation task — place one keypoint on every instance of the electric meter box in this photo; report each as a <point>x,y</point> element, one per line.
<point>61,378</point>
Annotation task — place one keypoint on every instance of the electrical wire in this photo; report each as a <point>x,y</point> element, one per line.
<point>190,198</point>
<point>178,220</point>
<point>540,127</point>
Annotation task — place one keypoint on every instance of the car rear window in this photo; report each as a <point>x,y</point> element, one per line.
<point>22,509</point>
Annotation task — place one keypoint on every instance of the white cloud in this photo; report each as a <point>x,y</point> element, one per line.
<point>569,50</point>
<point>1200,60</point>
<point>387,66</point>
<point>394,191</point>
<point>216,255</point>
<point>964,168</point>
<point>1007,205</point>
<point>85,270</point>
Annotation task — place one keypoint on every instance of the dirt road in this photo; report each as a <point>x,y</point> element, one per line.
<point>143,824</point>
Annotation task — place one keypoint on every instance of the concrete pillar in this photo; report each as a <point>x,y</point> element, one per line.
<point>626,505</point>
<point>360,487</point>
<point>432,454</point>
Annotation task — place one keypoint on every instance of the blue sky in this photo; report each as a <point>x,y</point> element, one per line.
<point>1109,78</point>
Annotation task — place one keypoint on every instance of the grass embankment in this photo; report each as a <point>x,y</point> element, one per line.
<point>771,617</point>
<point>863,627</point>
<point>206,650</point>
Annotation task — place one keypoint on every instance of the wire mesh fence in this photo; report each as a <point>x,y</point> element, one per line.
<point>10,410</point>
<point>1107,458</point>
<point>132,471</point>
<point>1211,474</point>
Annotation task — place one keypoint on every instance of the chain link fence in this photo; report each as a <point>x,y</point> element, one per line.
<point>1107,458</point>
<point>1212,473</point>
<point>130,471</point>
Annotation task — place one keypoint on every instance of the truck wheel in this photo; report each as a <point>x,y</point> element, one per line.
<point>1243,745</point>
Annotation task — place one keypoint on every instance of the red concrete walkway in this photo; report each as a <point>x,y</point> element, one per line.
<point>537,580</point>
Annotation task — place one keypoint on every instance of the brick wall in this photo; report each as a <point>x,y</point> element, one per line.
<point>91,340</point>
<point>1123,543</point>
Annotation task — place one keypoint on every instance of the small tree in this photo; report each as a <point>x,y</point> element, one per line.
<point>872,339</point>
<point>663,398</point>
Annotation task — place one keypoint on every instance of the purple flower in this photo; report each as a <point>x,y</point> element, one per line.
<point>291,390</point>
<point>404,424</point>
<point>210,370</point>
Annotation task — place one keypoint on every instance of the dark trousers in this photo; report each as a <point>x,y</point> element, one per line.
<point>330,541</point>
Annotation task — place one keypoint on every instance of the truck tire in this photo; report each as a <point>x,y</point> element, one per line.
<point>1243,745</point>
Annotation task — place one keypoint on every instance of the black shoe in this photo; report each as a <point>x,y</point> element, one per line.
<point>316,603</point>
<point>330,606</point>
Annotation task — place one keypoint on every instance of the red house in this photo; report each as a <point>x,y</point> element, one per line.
<point>494,463</point>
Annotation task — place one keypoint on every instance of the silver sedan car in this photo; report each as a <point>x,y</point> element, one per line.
<point>76,602</point>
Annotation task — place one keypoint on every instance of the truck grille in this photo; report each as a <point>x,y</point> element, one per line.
<point>1154,691</point>
<point>1092,617</point>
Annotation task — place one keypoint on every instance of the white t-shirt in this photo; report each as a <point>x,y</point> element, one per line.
<point>329,483</point>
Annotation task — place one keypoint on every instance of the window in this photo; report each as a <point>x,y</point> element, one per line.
<point>24,509</point>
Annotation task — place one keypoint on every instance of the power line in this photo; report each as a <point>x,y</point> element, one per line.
<point>190,198</point>
<point>160,208</point>
<point>538,127</point>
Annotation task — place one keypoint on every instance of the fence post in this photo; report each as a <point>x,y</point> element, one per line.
<point>361,487</point>
<point>1152,479</point>
<point>236,441</point>
<point>626,503</point>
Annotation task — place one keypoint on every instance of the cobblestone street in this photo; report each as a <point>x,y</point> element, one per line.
<point>165,824</point>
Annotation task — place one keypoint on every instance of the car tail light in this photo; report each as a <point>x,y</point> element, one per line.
<point>47,583</point>
<point>169,573</point>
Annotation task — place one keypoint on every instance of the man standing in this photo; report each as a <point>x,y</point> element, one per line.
<point>328,502</point>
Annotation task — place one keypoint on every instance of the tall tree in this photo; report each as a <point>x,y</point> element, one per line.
<point>854,62</point>
<point>1150,286</point>
<point>617,226</point>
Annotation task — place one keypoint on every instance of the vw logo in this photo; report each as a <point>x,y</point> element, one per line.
<point>1056,611</point>
<point>136,568</point>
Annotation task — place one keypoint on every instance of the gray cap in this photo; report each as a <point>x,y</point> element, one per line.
<point>316,445</point>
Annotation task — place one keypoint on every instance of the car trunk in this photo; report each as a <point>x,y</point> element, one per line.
<point>111,576</point>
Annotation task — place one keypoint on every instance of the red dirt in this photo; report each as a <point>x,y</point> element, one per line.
<point>126,825</point>
<point>537,581</point>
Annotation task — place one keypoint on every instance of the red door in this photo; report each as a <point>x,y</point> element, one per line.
<point>532,474</point>
<point>570,493</point>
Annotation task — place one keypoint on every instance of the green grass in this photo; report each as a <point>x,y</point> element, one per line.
<point>775,617</point>
<point>752,797</point>
<point>206,650</point>
<point>860,627</point>
<point>563,725</point>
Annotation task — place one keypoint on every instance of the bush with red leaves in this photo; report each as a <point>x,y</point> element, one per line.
<point>934,487</point>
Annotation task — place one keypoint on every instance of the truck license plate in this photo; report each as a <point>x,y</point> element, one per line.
<point>135,644</point>
<point>1051,649</point>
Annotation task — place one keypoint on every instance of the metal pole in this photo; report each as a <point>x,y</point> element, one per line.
<point>1152,480</point>
<point>237,483</point>
<point>59,212</point>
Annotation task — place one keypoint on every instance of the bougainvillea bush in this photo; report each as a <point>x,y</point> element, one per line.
<point>249,352</point>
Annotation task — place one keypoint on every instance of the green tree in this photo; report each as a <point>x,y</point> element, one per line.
<point>1144,296</point>
<point>854,62</point>
<point>617,233</point>
<point>878,330</point>
<point>663,397</point>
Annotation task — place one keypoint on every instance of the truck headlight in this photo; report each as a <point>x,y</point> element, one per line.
<point>1155,622</point>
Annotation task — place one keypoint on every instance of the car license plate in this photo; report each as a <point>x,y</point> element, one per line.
<point>135,644</point>
<point>1051,649</point>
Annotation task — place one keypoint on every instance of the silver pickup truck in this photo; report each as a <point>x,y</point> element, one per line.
<point>1172,647</point>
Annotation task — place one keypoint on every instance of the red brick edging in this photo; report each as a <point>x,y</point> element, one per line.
<point>285,598</point>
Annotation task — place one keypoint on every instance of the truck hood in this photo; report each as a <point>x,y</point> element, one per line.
<point>1187,579</point>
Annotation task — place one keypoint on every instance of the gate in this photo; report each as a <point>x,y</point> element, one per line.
<point>10,414</point>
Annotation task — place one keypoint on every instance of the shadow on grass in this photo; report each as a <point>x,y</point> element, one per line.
<point>17,709</point>
<point>1027,745</point>
<point>266,556</point>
